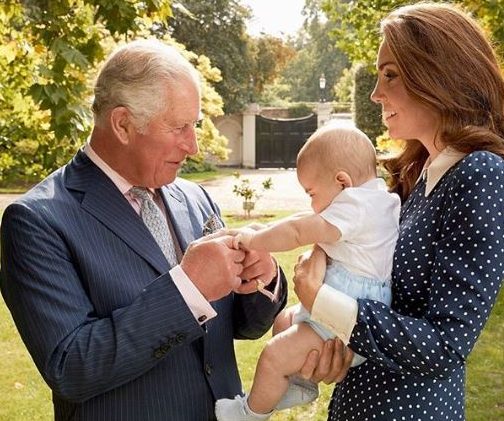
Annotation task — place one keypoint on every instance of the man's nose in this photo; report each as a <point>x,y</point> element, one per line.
<point>189,142</point>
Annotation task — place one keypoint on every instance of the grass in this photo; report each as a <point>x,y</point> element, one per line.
<point>207,175</point>
<point>24,395</point>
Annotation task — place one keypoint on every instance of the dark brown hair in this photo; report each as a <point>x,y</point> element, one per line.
<point>447,63</point>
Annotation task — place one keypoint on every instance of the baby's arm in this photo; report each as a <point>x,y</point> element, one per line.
<point>288,234</point>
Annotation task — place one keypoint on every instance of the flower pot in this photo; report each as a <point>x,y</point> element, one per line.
<point>248,206</point>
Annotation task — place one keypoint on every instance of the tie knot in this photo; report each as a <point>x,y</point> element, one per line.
<point>141,193</point>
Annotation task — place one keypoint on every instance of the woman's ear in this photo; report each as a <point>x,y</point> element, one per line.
<point>121,124</point>
<point>344,179</point>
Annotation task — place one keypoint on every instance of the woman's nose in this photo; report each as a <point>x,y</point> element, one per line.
<point>376,95</point>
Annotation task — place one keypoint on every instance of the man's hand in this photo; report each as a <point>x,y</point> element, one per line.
<point>331,366</point>
<point>257,265</point>
<point>214,266</point>
<point>308,276</point>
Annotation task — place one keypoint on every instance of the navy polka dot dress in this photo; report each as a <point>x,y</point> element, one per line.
<point>448,268</point>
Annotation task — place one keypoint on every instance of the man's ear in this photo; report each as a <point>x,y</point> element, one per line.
<point>344,179</point>
<point>121,124</point>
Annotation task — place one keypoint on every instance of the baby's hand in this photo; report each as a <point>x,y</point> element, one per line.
<point>242,237</point>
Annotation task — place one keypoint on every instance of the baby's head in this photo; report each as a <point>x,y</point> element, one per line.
<point>333,158</point>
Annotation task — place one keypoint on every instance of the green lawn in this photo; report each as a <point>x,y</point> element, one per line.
<point>207,175</point>
<point>24,396</point>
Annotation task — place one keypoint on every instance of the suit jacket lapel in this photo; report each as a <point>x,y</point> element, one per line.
<point>108,205</point>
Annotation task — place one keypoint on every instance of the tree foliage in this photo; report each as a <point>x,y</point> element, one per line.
<point>271,55</point>
<point>49,53</point>
<point>356,29</point>
<point>317,54</point>
<point>366,114</point>
<point>217,29</point>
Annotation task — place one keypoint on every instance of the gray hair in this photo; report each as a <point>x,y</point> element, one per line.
<point>137,76</point>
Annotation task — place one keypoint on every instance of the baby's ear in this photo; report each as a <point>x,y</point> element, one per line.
<point>344,179</point>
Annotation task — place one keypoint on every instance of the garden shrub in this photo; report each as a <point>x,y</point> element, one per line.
<point>366,114</point>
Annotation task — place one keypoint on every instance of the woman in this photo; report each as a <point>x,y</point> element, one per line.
<point>441,89</point>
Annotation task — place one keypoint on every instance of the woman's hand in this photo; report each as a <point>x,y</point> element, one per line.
<point>308,276</point>
<point>331,366</point>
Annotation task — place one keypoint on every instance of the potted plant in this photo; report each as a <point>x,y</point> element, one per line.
<point>250,194</point>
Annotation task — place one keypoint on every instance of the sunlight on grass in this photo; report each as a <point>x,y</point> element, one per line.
<point>23,393</point>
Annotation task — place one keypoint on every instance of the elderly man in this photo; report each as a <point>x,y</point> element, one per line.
<point>126,311</point>
<point>125,315</point>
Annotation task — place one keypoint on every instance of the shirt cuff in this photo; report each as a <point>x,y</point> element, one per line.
<point>198,305</point>
<point>274,287</point>
<point>336,311</point>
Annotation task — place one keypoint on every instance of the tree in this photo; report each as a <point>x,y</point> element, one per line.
<point>217,29</point>
<point>49,52</point>
<point>270,55</point>
<point>356,29</point>
<point>316,54</point>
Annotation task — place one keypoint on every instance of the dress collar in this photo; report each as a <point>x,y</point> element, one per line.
<point>433,171</point>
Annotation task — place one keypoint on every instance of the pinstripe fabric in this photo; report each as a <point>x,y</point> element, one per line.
<point>89,291</point>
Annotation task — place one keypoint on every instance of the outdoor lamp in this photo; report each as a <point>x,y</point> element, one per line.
<point>322,83</point>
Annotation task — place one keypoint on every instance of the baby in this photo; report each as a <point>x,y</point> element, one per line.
<point>355,220</point>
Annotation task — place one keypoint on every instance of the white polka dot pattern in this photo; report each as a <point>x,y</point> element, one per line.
<point>448,269</point>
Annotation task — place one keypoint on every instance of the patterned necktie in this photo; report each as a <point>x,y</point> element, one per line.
<point>156,222</point>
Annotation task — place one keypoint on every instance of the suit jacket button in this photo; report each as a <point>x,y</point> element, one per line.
<point>180,337</point>
<point>165,348</point>
<point>158,353</point>
<point>208,369</point>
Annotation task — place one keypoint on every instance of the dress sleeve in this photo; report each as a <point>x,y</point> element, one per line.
<point>466,275</point>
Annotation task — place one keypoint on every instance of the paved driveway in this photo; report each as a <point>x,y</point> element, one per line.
<point>286,193</point>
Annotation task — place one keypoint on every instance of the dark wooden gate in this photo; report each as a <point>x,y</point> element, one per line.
<point>278,141</point>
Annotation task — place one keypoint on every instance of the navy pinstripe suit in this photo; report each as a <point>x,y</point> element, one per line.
<point>89,291</point>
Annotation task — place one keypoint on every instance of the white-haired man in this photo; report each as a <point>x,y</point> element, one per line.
<point>127,313</point>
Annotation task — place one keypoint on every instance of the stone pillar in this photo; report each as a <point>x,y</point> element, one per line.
<point>249,135</point>
<point>323,113</point>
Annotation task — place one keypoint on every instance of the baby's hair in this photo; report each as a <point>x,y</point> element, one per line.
<point>335,148</point>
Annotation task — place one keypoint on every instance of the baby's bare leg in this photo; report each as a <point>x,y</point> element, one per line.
<point>284,319</point>
<point>283,356</point>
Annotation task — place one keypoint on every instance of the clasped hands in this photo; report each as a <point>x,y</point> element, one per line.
<point>217,266</point>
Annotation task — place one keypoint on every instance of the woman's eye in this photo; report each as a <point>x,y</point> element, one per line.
<point>390,75</point>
